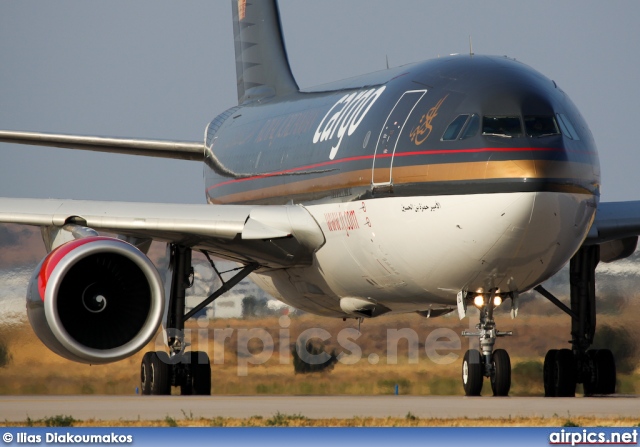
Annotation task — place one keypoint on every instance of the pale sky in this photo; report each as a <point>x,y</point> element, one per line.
<point>163,69</point>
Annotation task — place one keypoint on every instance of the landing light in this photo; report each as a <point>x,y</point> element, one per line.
<point>478,301</point>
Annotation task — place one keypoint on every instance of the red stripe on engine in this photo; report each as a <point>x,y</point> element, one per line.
<point>53,259</point>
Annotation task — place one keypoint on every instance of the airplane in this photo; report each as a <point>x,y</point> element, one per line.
<point>432,187</point>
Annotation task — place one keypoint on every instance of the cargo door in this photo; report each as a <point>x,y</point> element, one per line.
<point>393,127</point>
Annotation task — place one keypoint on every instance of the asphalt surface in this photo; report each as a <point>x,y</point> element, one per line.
<point>18,408</point>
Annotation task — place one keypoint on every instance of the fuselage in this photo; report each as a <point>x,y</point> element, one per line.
<point>460,173</point>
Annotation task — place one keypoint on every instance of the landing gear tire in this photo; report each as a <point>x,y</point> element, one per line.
<point>590,384</point>
<point>472,376</point>
<point>159,373</point>
<point>145,374</point>
<point>501,377</point>
<point>606,367</point>
<point>549,373</point>
<point>559,373</point>
<point>603,377</point>
<point>566,374</point>
<point>199,377</point>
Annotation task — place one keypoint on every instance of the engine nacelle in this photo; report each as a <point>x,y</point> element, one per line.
<point>95,300</point>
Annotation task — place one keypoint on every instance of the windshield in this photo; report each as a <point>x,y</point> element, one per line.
<point>502,126</point>
<point>540,126</point>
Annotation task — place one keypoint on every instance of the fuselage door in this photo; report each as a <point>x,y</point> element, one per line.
<point>389,135</point>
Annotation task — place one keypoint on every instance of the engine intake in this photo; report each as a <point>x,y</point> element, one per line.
<point>95,300</point>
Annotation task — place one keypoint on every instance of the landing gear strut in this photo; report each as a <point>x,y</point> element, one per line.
<point>594,368</point>
<point>495,365</point>
<point>191,371</point>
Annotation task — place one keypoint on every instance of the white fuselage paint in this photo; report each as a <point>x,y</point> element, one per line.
<point>412,253</point>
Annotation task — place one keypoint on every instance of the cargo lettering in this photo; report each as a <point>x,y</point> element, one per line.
<point>345,116</point>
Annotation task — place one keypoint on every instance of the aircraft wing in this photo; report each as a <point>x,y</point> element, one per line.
<point>615,220</point>
<point>181,150</point>
<point>272,236</point>
<point>615,229</point>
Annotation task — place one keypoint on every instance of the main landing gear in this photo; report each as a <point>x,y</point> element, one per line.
<point>594,368</point>
<point>189,370</point>
<point>563,368</point>
<point>486,362</point>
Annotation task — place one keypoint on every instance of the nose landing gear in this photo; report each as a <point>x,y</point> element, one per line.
<point>496,365</point>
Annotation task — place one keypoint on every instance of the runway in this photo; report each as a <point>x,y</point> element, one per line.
<point>18,408</point>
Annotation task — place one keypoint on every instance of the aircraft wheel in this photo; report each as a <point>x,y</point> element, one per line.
<point>565,379</point>
<point>591,384</point>
<point>501,377</point>
<point>199,377</point>
<point>472,374</point>
<point>201,371</point>
<point>145,374</point>
<point>160,374</point>
<point>549,373</point>
<point>186,387</point>
<point>605,371</point>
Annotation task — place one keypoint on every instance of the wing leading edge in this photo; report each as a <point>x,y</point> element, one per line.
<point>615,220</point>
<point>615,229</point>
<point>180,150</point>
<point>272,236</point>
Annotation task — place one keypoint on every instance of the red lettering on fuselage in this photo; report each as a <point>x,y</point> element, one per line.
<point>342,221</point>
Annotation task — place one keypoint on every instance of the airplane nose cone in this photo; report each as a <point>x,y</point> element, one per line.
<point>545,229</point>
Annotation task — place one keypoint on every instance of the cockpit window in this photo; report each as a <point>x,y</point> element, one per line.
<point>462,127</point>
<point>567,127</point>
<point>472,127</point>
<point>453,130</point>
<point>540,126</point>
<point>502,126</point>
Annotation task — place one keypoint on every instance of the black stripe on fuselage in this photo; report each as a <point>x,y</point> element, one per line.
<point>481,170</point>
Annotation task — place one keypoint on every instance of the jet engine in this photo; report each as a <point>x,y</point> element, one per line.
<point>95,300</point>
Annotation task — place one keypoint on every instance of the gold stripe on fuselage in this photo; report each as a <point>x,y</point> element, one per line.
<point>442,172</point>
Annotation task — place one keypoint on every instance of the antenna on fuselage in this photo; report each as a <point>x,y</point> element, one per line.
<point>387,56</point>
<point>470,46</point>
